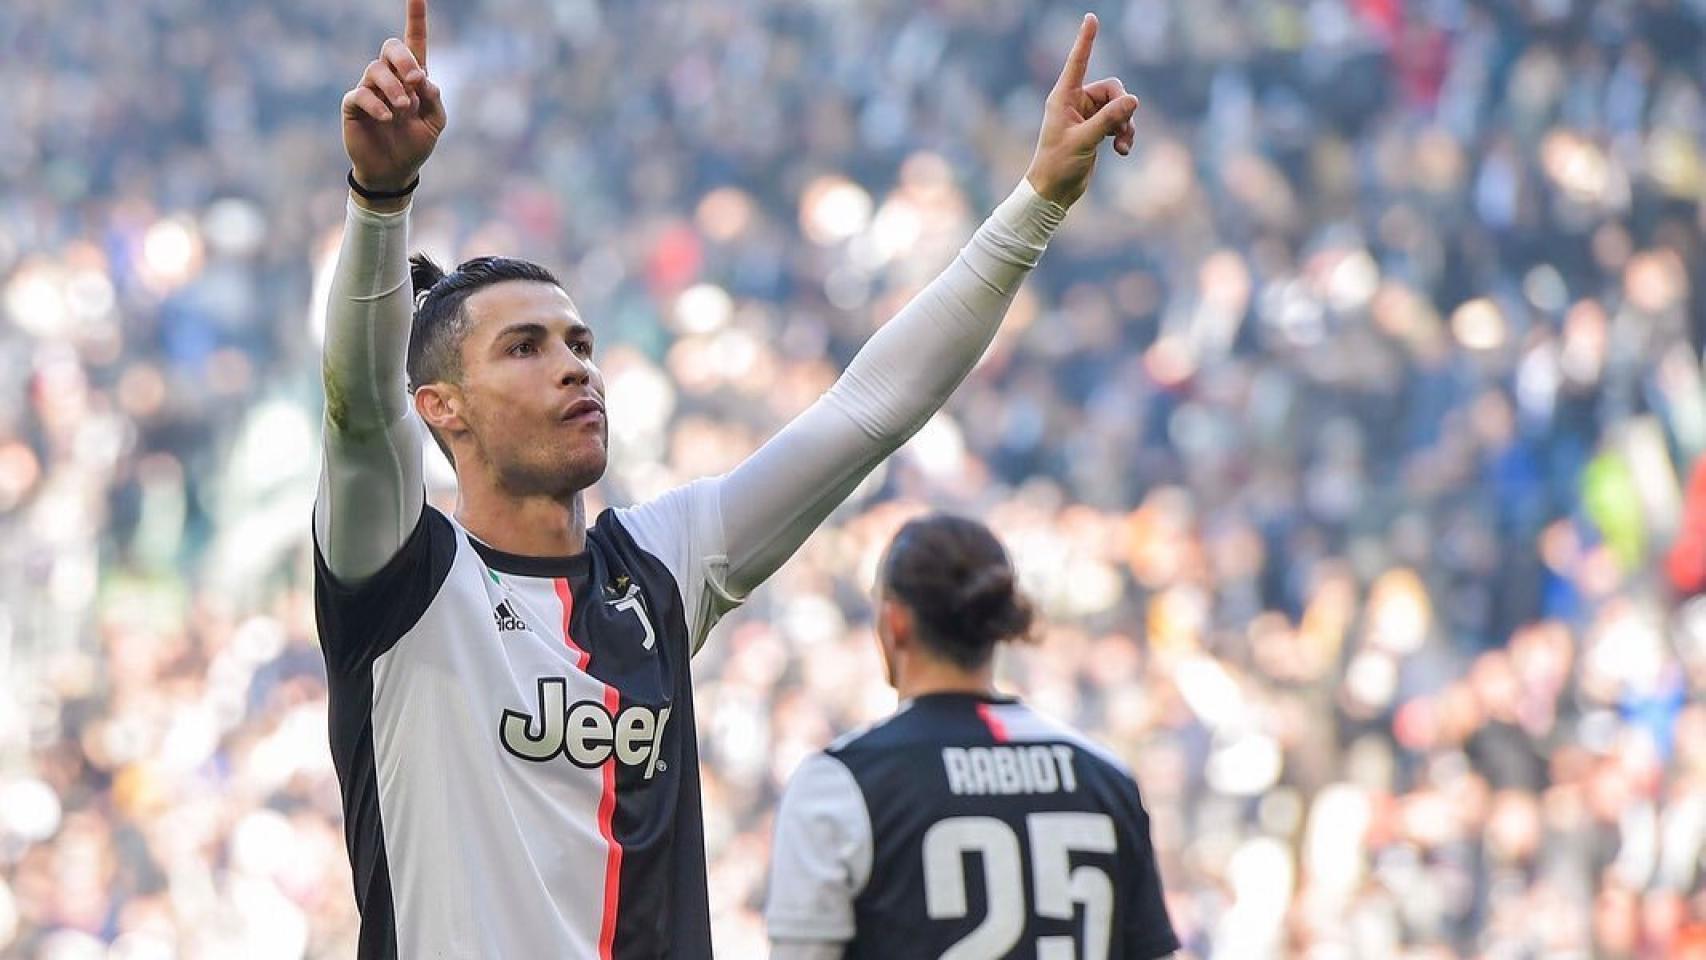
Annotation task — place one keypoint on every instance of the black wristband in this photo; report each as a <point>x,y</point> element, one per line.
<point>367,194</point>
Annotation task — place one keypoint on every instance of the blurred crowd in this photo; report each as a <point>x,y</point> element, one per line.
<point>1342,436</point>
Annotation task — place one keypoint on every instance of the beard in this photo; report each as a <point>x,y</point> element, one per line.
<point>554,468</point>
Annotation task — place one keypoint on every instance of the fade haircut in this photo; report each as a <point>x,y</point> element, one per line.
<point>440,323</point>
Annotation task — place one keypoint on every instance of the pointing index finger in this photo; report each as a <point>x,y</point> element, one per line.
<point>1078,61</point>
<point>415,32</point>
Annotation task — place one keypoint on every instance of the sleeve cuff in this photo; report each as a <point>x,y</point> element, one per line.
<point>1015,235</point>
<point>808,928</point>
<point>1028,215</point>
<point>385,221</point>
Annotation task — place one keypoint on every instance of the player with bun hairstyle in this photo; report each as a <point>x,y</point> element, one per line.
<point>874,835</point>
<point>947,598</point>
<point>511,699</point>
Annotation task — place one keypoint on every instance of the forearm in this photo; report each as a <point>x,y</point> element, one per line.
<point>912,365</point>
<point>371,484</point>
<point>367,324</point>
<point>902,376</point>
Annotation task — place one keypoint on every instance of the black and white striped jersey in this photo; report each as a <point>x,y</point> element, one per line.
<point>963,827</point>
<point>515,740</point>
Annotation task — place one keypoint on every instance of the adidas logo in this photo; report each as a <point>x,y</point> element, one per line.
<point>506,618</point>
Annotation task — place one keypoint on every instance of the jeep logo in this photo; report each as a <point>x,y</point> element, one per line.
<point>585,731</point>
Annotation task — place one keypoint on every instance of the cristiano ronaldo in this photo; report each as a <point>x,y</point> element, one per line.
<point>511,703</point>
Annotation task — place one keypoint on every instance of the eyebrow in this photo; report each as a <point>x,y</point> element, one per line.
<point>579,328</point>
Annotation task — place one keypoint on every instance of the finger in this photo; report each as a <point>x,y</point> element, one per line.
<point>1098,95</point>
<point>1078,61</point>
<point>1108,120</point>
<point>363,102</point>
<point>385,82</point>
<point>1102,92</point>
<point>415,32</point>
<point>432,100</point>
<point>402,62</point>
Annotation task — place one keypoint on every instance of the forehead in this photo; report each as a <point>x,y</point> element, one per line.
<point>493,309</point>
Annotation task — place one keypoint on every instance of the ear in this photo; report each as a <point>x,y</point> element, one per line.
<point>897,623</point>
<point>440,405</point>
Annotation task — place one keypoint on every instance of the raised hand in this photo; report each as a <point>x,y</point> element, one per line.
<point>1076,119</point>
<point>393,117</point>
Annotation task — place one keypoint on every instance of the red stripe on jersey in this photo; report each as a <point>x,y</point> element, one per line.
<point>997,729</point>
<point>613,859</point>
<point>606,802</point>
<point>565,594</point>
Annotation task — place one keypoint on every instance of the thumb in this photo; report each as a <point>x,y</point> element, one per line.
<point>1107,121</point>
<point>432,102</point>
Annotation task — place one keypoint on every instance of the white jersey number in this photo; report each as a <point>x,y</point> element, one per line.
<point>1057,887</point>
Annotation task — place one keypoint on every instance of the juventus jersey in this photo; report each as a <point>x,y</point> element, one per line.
<point>514,738</point>
<point>962,827</point>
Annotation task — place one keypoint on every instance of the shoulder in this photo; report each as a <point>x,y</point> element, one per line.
<point>677,516</point>
<point>681,534</point>
<point>887,732</point>
<point>824,804</point>
<point>433,541</point>
<point>1017,722</point>
<point>821,775</point>
<point>821,854</point>
<point>360,621</point>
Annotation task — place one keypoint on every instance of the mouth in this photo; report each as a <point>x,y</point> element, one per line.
<point>584,411</point>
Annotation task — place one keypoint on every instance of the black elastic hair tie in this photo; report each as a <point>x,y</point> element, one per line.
<point>367,194</point>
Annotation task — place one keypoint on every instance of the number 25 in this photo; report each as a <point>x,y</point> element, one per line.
<point>1054,882</point>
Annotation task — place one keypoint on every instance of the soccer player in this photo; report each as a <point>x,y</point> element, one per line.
<point>966,825</point>
<point>511,702</point>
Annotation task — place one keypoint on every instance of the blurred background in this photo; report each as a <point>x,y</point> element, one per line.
<point>1344,436</point>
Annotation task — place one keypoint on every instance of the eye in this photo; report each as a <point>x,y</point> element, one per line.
<point>523,349</point>
<point>582,348</point>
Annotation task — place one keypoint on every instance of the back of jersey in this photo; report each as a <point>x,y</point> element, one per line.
<point>994,832</point>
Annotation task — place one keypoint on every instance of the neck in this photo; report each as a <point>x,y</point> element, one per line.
<point>535,526</point>
<point>926,675</point>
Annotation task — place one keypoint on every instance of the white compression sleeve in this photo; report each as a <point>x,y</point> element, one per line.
<point>372,486</point>
<point>903,375</point>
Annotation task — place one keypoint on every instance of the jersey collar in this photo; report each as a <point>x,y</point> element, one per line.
<point>576,565</point>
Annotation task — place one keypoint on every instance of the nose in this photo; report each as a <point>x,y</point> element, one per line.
<point>575,369</point>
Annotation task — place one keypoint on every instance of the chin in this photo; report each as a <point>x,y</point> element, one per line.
<point>589,456</point>
<point>585,474</point>
<point>582,468</point>
<point>559,475</point>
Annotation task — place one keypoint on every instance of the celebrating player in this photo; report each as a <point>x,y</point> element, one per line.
<point>873,836</point>
<point>511,704</point>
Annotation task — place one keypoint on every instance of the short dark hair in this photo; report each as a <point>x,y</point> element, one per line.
<point>435,337</point>
<point>955,577</point>
<point>440,324</point>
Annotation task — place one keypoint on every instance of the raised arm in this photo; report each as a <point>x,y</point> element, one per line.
<point>371,480</point>
<point>909,368</point>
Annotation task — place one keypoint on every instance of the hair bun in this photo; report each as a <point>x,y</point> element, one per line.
<point>423,276</point>
<point>956,579</point>
<point>984,589</point>
<point>989,603</point>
